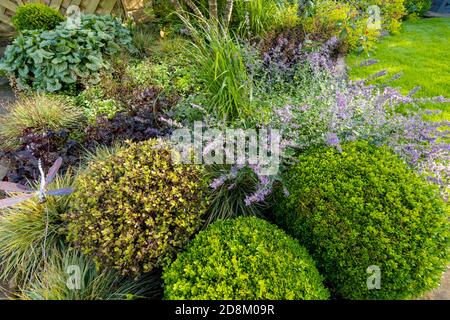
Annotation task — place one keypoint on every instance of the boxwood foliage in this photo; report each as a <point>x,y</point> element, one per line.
<point>34,16</point>
<point>62,58</point>
<point>135,209</point>
<point>364,207</point>
<point>243,258</point>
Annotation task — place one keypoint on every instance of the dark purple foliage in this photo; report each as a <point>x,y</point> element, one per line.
<point>140,122</point>
<point>48,147</point>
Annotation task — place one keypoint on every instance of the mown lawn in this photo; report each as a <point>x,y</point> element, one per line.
<point>421,52</point>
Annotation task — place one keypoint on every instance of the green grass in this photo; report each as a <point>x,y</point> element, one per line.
<point>421,52</point>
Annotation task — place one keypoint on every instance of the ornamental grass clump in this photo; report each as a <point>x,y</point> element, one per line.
<point>361,209</point>
<point>71,276</point>
<point>243,259</point>
<point>136,209</point>
<point>221,69</point>
<point>36,114</point>
<point>29,229</point>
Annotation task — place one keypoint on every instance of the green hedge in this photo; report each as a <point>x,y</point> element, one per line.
<point>364,207</point>
<point>243,258</point>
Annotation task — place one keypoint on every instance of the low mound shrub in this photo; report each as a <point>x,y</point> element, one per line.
<point>364,207</point>
<point>34,16</point>
<point>136,209</point>
<point>243,258</point>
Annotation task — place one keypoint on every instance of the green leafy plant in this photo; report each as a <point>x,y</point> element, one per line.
<point>332,18</point>
<point>64,58</point>
<point>28,228</point>
<point>392,12</point>
<point>36,113</point>
<point>136,209</point>
<point>222,70</point>
<point>243,258</point>
<point>94,103</point>
<point>32,16</point>
<point>350,19</point>
<point>256,17</point>
<point>418,7</point>
<point>243,17</point>
<point>364,207</point>
<point>92,284</point>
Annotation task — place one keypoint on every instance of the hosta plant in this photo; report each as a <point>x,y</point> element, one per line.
<point>64,58</point>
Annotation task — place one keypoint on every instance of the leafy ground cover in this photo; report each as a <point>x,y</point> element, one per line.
<point>420,54</point>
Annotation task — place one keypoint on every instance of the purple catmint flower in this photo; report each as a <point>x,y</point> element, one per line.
<point>257,197</point>
<point>414,91</point>
<point>171,122</point>
<point>368,62</point>
<point>396,76</point>
<point>333,140</point>
<point>218,182</point>
<point>379,74</point>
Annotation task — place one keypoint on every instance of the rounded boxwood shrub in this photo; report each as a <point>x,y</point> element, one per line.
<point>243,258</point>
<point>364,207</point>
<point>34,16</point>
<point>135,209</point>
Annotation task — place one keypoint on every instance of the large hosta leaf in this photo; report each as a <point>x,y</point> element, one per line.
<point>39,55</point>
<point>54,86</point>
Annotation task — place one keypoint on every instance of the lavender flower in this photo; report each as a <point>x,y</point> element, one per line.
<point>218,182</point>
<point>258,197</point>
<point>368,62</point>
<point>333,140</point>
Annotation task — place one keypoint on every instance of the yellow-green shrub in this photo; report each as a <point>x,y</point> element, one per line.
<point>417,7</point>
<point>340,19</point>
<point>134,210</point>
<point>34,16</point>
<point>350,20</point>
<point>392,13</point>
<point>244,258</point>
